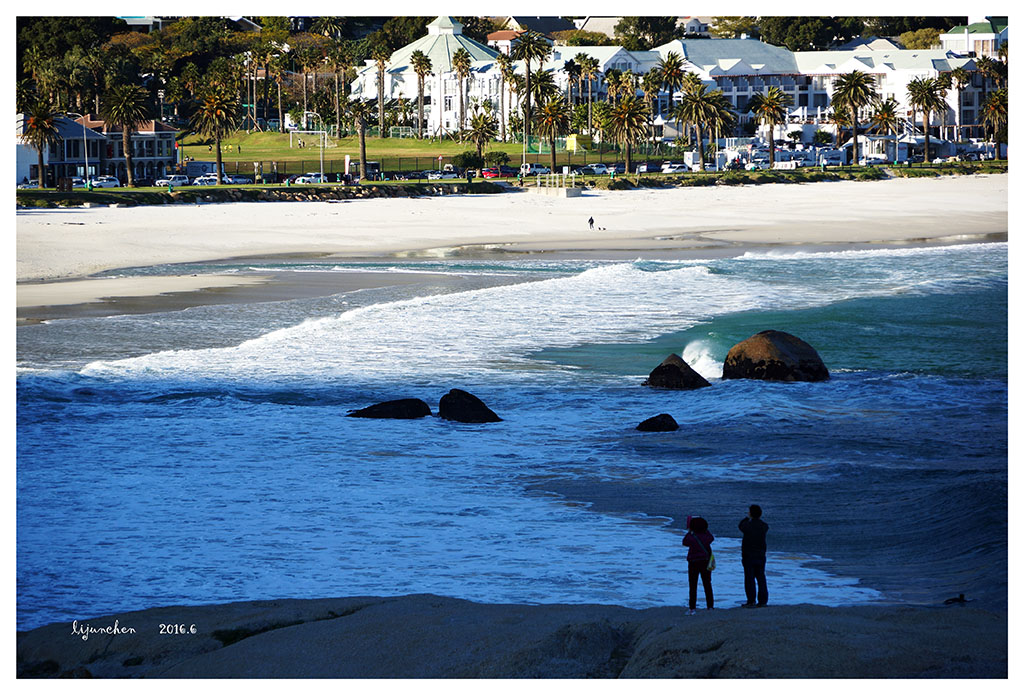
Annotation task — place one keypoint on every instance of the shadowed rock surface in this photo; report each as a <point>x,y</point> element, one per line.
<point>401,409</point>
<point>675,373</point>
<point>426,636</point>
<point>659,423</point>
<point>462,406</point>
<point>774,356</point>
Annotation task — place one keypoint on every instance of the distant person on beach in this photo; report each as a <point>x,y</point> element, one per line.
<point>752,552</point>
<point>591,220</point>
<point>699,540</point>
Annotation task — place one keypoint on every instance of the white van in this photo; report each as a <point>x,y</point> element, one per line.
<point>531,168</point>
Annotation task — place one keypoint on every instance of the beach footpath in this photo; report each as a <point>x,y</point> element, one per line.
<point>426,636</point>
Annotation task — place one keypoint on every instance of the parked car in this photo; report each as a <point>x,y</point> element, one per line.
<point>173,180</point>
<point>970,156</point>
<point>499,172</point>
<point>618,168</point>
<point>144,183</point>
<point>531,168</point>
<point>34,183</point>
<point>648,167</point>
<point>105,182</point>
<point>595,169</point>
<point>311,177</point>
<point>437,175</point>
<point>241,179</point>
<point>77,182</point>
<point>205,180</point>
<point>674,168</point>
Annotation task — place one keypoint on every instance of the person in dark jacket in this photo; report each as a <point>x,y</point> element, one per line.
<point>698,540</point>
<point>752,553</point>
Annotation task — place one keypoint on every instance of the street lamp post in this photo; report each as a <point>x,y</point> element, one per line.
<point>323,142</point>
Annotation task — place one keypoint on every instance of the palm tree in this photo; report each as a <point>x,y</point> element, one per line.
<point>771,108</point>
<point>507,69</point>
<point>670,69</point>
<point>360,112</point>
<point>462,64</point>
<point>216,114</point>
<point>422,66</point>
<point>127,106</point>
<point>40,131</point>
<point>572,73</point>
<point>552,121</point>
<point>886,118</point>
<point>628,124</point>
<point>380,54</point>
<point>924,96</point>
<point>530,46</point>
<point>588,70</point>
<point>852,92</point>
<point>482,129</point>
<point>702,109</point>
<point>960,78</point>
<point>651,85</point>
<point>611,83</point>
<point>543,87</point>
<point>331,27</point>
<point>995,114</point>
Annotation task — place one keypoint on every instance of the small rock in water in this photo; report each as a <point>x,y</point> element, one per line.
<point>401,409</point>
<point>462,406</point>
<point>774,356</point>
<point>659,423</point>
<point>675,373</point>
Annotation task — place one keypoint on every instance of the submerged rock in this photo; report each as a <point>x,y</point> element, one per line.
<point>675,373</point>
<point>659,423</point>
<point>774,356</point>
<point>462,406</point>
<point>401,409</point>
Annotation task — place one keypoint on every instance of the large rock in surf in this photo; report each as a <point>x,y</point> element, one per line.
<point>774,356</point>
<point>461,406</point>
<point>674,373</point>
<point>402,409</point>
<point>659,423</point>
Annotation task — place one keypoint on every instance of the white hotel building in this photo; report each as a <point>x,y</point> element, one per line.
<point>740,67</point>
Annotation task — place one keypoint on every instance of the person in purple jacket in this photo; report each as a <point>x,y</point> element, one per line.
<point>699,540</point>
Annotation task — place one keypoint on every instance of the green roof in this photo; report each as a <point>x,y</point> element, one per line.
<point>993,26</point>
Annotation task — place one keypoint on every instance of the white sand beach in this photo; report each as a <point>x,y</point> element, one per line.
<point>75,243</point>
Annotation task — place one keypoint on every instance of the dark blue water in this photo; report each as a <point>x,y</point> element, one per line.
<point>163,467</point>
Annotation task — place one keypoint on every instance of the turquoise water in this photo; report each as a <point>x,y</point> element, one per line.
<point>203,456</point>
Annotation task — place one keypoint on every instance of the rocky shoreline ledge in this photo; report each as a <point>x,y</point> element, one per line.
<point>426,636</point>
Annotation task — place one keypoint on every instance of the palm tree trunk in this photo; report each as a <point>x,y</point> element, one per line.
<point>361,127</point>
<point>590,110</point>
<point>41,183</point>
<point>216,139</point>
<point>927,138</point>
<point>551,140</point>
<point>526,109</point>
<point>126,142</point>
<point>337,100</point>
<point>305,79</point>
<point>419,98</point>
<point>700,146</point>
<point>853,124</point>
<point>501,107</point>
<point>462,106</point>
<point>280,107</point>
<point>771,145</point>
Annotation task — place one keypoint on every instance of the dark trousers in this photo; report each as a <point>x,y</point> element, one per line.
<point>753,573</point>
<point>700,569</point>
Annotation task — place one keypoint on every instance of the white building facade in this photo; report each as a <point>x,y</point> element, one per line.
<point>741,68</point>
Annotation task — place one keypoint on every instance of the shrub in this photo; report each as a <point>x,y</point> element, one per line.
<point>496,158</point>
<point>468,160</point>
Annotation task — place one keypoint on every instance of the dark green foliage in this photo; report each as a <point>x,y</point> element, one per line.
<point>468,159</point>
<point>54,36</point>
<point>643,33</point>
<point>809,33</point>
<point>496,158</point>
